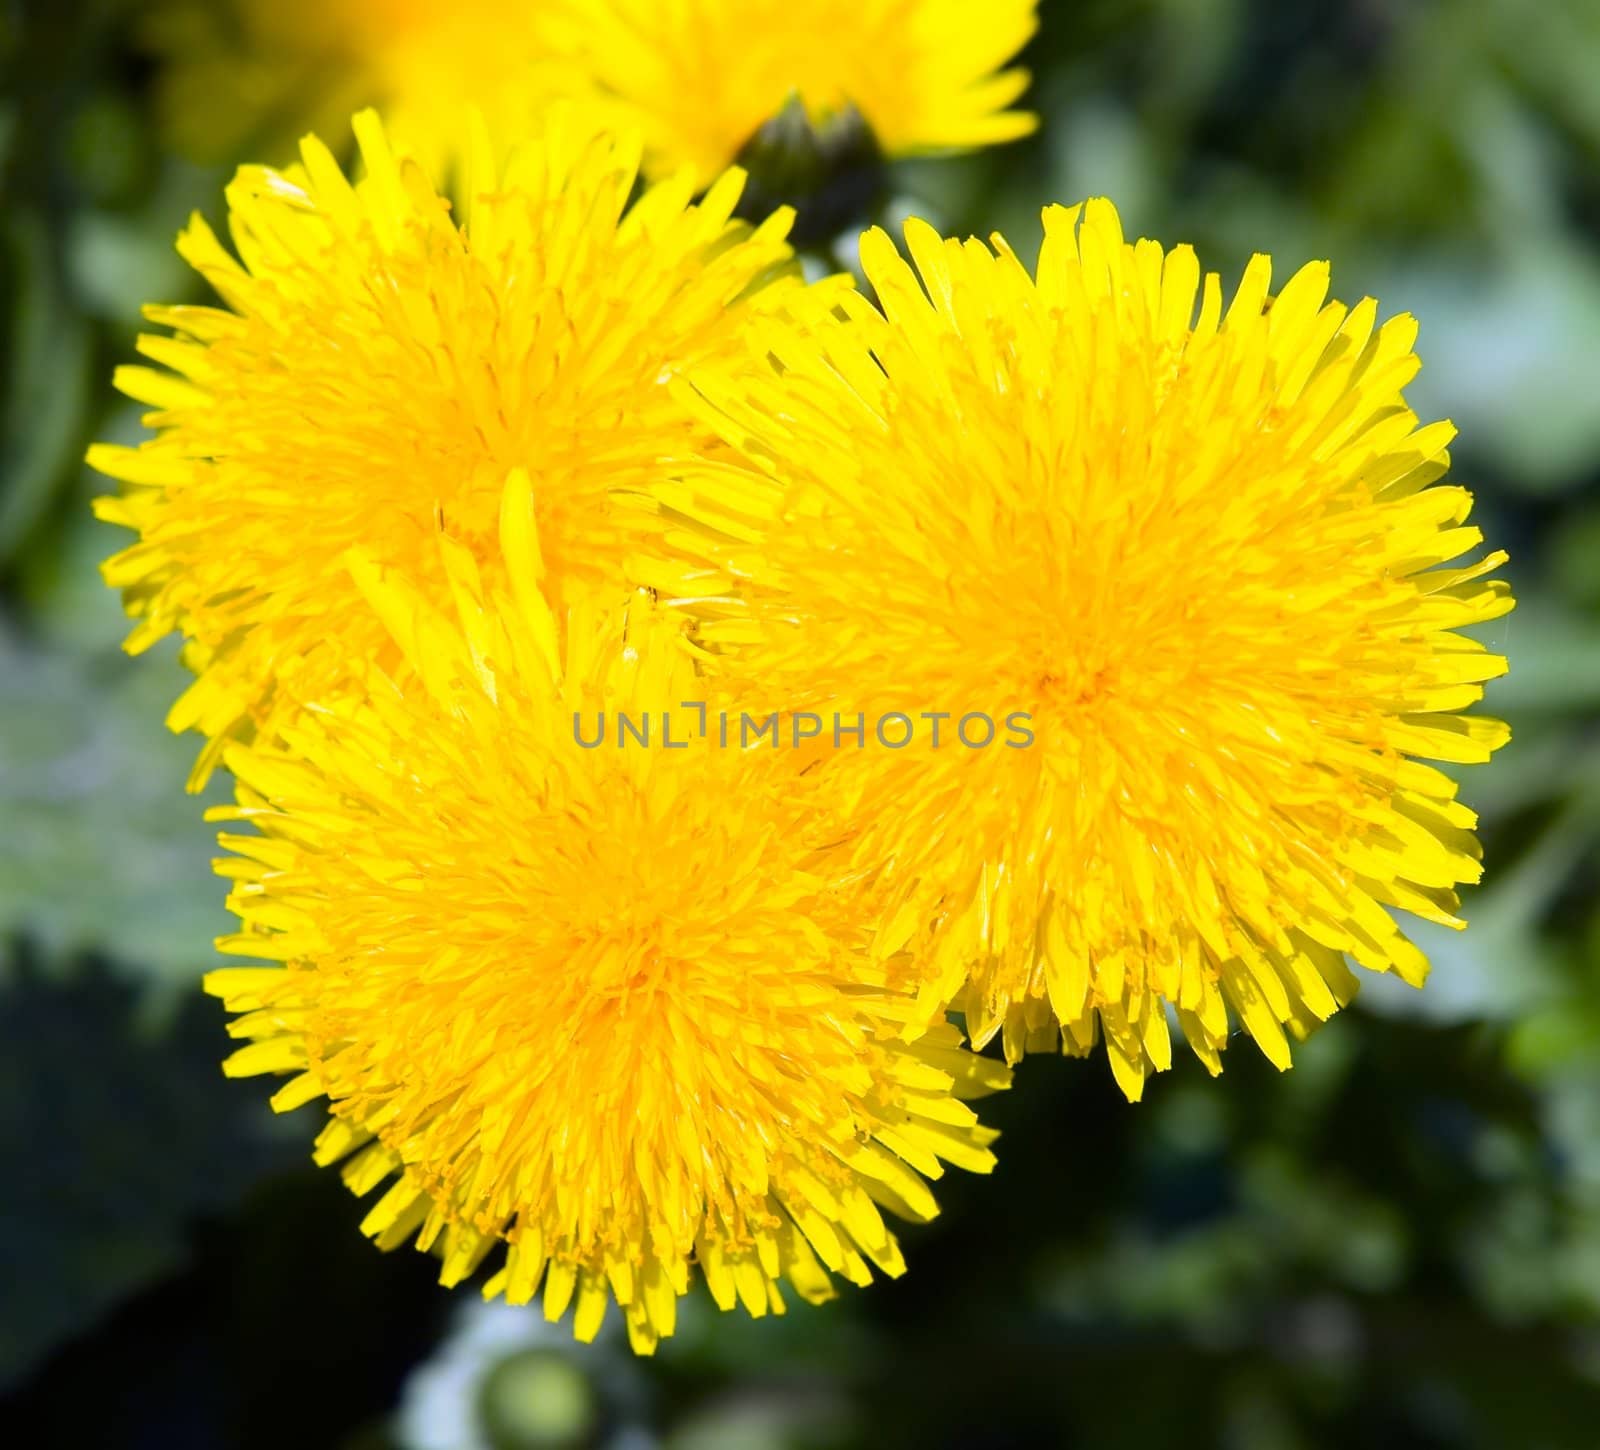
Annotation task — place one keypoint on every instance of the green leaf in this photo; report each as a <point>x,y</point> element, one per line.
<point>101,847</point>
<point>46,372</point>
<point>115,1133</point>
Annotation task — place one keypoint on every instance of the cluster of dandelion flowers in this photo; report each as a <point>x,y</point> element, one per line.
<point>600,1005</point>
<point>1205,551</point>
<point>699,78</point>
<point>379,367</point>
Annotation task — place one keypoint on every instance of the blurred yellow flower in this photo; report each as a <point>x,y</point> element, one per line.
<point>600,1004</point>
<point>697,77</point>
<point>700,77</point>
<point>1206,557</point>
<point>379,368</point>
<point>250,75</point>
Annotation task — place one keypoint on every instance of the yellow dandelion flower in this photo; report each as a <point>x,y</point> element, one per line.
<point>249,73</point>
<point>700,77</point>
<point>598,1005</point>
<point>378,367</point>
<point>1204,560</point>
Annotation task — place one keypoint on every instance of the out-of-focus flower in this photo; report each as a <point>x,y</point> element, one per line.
<point>1191,578</point>
<point>700,78</point>
<point>379,369</point>
<point>606,1005</point>
<point>501,1374</point>
<point>254,74</point>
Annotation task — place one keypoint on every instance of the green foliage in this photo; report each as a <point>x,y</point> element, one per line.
<point>114,1139</point>
<point>102,847</point>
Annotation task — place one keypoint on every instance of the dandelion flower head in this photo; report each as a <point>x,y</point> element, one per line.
<point>1206,551</point>
<point>378,367</point>
<point>240,74</point>
<point>601,1006</point>
<point>700,77</point>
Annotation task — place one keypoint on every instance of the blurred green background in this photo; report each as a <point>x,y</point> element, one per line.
<point>1398,1244</point>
